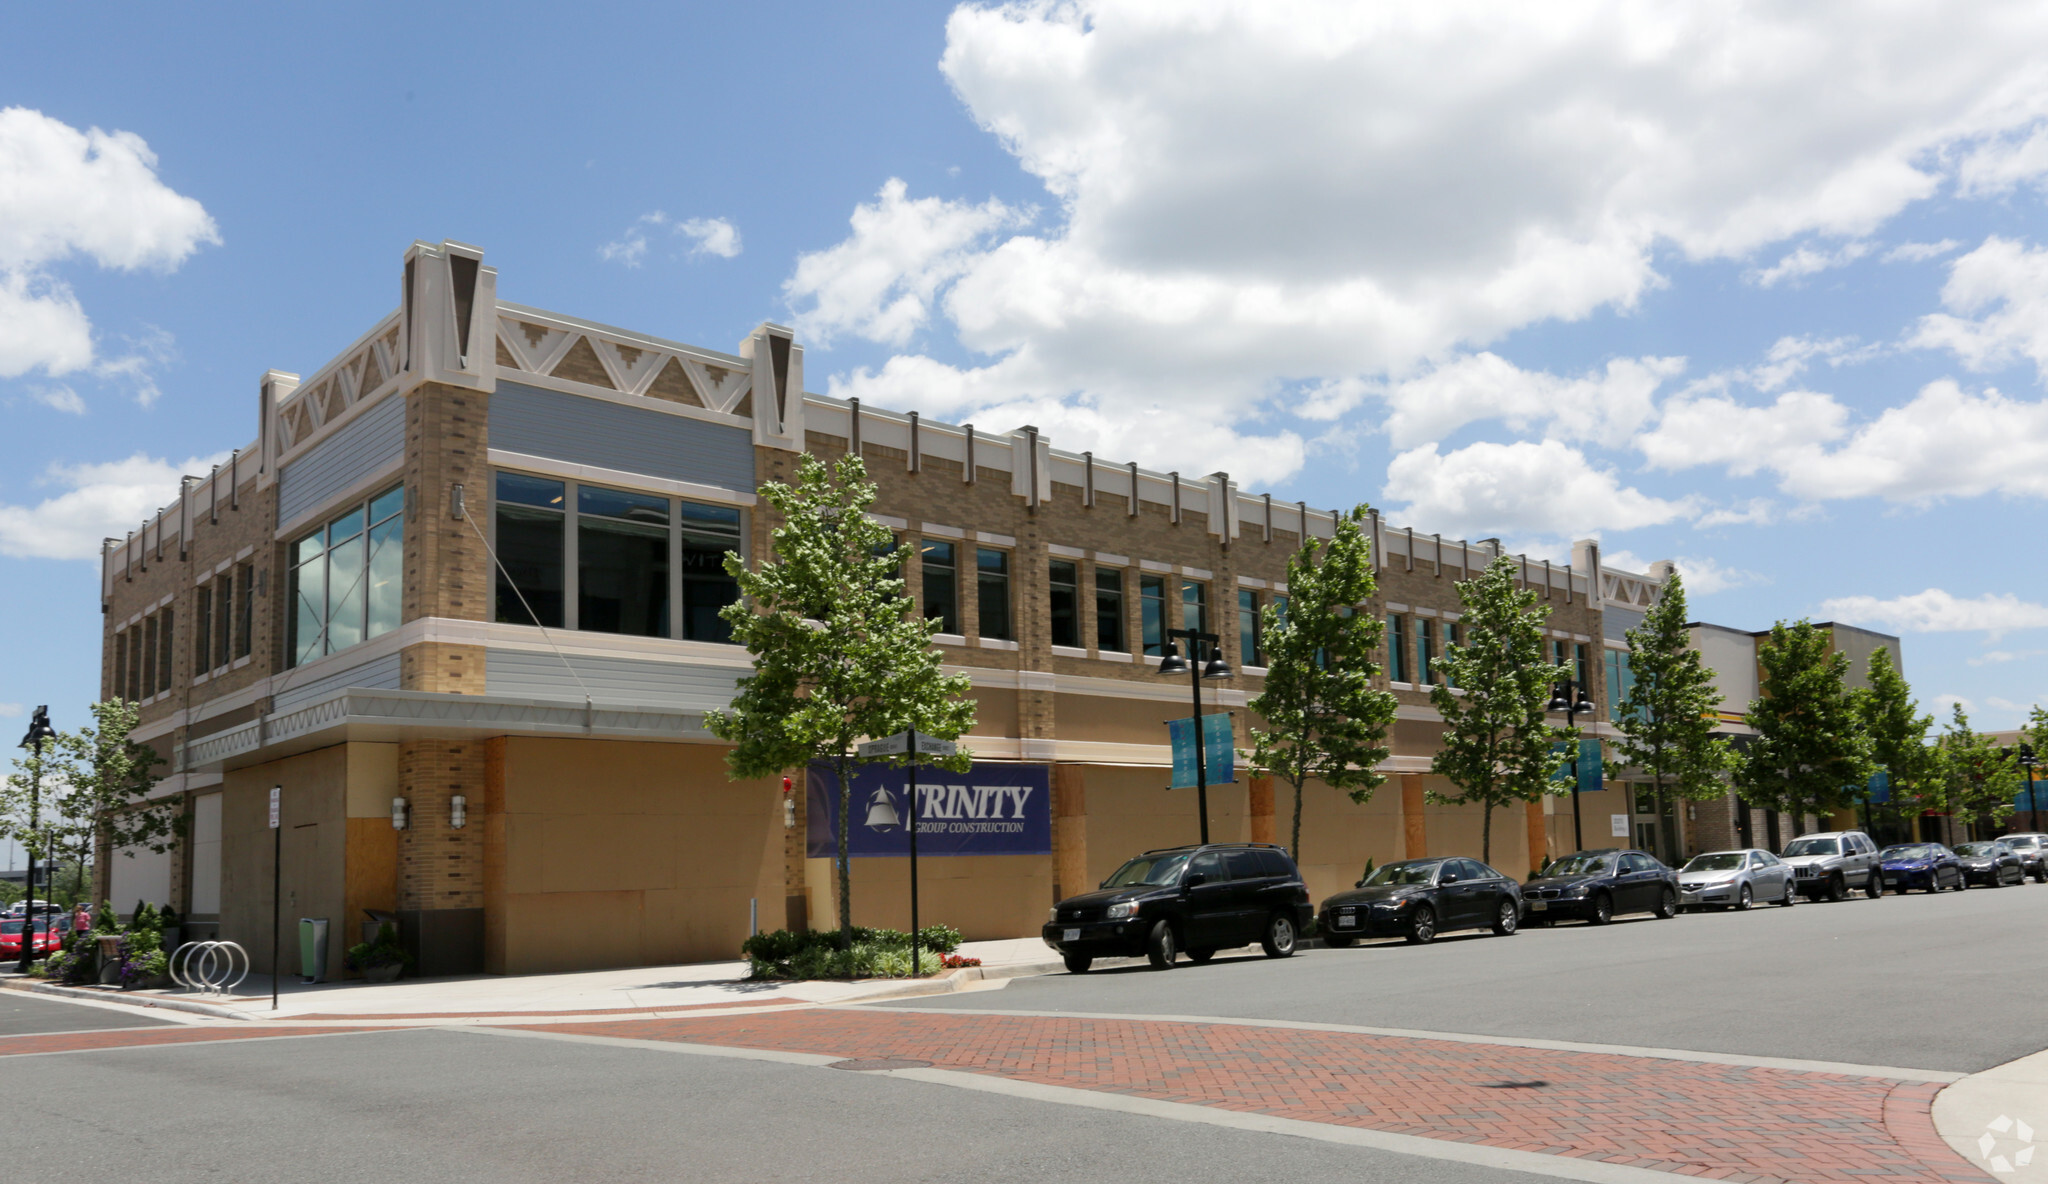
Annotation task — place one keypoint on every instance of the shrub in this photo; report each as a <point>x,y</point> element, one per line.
<point>956,962</point>
<point>815,953</point>
<point>385,951</point>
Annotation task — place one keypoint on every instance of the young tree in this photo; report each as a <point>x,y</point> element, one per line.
<point>1667,719</point>
<point>28,803</point>
<point>1497,746</point>
<point>1980,777</point>
<point>1321,716</point>
<point>840,652</point>
<point>1810,752</point>
<point>1898,736</point>
<point>104,805</point>
<point>2035,737</point>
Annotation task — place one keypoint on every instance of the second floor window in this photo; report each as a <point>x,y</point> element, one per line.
<point>1397,669</point>
<point>1248,627</point>
<point>347,579</point>
<point>1109,611</point>
<point>992,583</point>
<point>621,562</point>
<point>1152,613</point>
<point>1450,643</point>
<point>530,546</point>
<point>202,630</point>
<point>1194,606</point>
<point>941,584</point>
<point>1620,680</point>
<point>1425,652</point>
<point>1065,578</point>
<point>708,532</point>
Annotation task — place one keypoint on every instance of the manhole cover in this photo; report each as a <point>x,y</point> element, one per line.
<point>876,1064</point>
<point>1516,1084</point>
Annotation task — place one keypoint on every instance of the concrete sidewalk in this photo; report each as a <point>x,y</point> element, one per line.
<point>1998,1119</point>
<point>649,991</point>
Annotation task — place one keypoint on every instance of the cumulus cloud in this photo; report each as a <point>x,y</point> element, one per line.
<point>1604,406</point>
<point>63,194</point>
<point>1997,297</point>
<point>1937,611</point>
<point>1919,252</point>
<point>103,500</point>
<point>1807,261</point>
<point>1261,200</point>
<point>58,398</point>
<point>1717,429</point>
<point>708,236</point>
<point>1945,442</point>
<point>714,236</point>
<point>1524,488</point>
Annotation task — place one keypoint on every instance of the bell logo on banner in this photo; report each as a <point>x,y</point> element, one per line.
<point>992,809</point>
<point>1218,743</point>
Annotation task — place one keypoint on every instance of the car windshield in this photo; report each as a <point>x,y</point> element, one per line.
<point>1403,873</point>
<point>1147,869</point>
<point>2021,840</point>
<point>1814,847</point>
<point>1908,852</point>
<point>10,927</point>
<point>1976,849</point>
<point>1581,865</point>
<point>1715,861</point>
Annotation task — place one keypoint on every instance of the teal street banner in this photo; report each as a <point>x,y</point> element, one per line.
<point>1589,765</point>
<point>1218,742</point>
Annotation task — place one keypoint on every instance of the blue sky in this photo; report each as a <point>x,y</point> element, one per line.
<point>1759,288</point>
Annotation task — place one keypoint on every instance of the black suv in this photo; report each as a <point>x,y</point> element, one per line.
<point>1199,899</point>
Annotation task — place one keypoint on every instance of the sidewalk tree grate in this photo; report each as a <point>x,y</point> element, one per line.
<point>879,1064</point>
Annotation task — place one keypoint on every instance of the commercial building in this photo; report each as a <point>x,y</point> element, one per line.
<point>457,600</point>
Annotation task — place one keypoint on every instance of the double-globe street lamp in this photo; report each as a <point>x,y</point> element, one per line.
<point>39,730</point>
<point>1570,697</point>
<point>2027,762</point>
<point>1197,670</point>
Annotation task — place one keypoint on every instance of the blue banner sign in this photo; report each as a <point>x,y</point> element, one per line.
<point>992,809</point>
<point>1219,742</point>
<point>1589,765</point>
<point>1880,788</point>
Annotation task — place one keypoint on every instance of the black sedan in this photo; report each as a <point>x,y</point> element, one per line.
<point>1420,898</point>
<point>1994,864</point>
<point>1595,886</point>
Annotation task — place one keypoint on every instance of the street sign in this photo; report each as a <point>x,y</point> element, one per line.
<point>273,807</point>
<point>899,744</point>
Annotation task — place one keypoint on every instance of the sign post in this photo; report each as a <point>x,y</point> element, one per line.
<point>910,743</point>
<point>276,886</point>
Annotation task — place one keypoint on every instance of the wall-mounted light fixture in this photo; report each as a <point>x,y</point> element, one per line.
<point>399,809</point>
<point>458,811</point>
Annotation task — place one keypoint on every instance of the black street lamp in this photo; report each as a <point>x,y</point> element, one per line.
<point>39,730</point>
<point>2028,762</point>
<point>1197,670</point>
<point>1570,696</point>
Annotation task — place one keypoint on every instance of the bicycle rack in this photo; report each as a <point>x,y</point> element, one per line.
<point>209,967</point>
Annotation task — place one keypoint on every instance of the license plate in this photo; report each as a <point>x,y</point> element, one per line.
<point>1070,935</point>
<point>1539,906</point>
<point>1347,919</point>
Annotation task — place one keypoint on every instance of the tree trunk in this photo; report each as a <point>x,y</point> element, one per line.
<point>1486,833</point>
<point>1294,848</point>
<point>845,864</point>
<point>1666,840</point>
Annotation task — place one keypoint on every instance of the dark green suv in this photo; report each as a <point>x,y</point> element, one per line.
<point>1196,899</point>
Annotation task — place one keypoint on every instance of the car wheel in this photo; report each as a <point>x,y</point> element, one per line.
<point>1339,941</point>
<point>1792,895</point>
<point>1838,888</point>
<point>1077,963</point>
<point>2041,873</point>
<point>1200,956</point>
<point>1422,926</point>
<point>1508,919</point>
<point>1160,948</point>
<point>1743,899</point>
<point>1603,910</point>
<point>1962,880</point>
<point>1279,939</point>
<point>1874,886</point>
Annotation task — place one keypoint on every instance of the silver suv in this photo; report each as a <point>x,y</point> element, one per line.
<point>1831,863</point>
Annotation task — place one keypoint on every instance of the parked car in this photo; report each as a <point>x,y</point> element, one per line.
<point>2032,849</point>
<point>1927,866</point>
<point>1833,862</point>
<point>46,940</point>
<point>1735,880</point>
<point>1993,864</point>
<point>1596,886</point>
<point>1199,899</point>
<point>1421,898</point>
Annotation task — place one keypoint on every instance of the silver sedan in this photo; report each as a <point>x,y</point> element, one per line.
<point>1735,880</point>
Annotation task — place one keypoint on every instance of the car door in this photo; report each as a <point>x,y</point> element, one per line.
<point>1208,920</point>
<point>1632,887</point>
<point>1774,877</point>
<point>1468,897</point>
<point>1250,885</point>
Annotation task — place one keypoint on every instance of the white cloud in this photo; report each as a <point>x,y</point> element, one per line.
<point>1942,703</point>
<point>66,193</point>
<point>1919,252</point>
<point>1999,657</point>
<point>1946,442</point>
<point>1603,407</point>
<point>1997,297</point>
<point>1704,576</point>
<point>1937,611</point>
<point>1546,488</point>
<point>714,236</point>
<point>1719,430</point>
<point>1261,200</point>
<point>1807,261</point>
<point>630,248</point>
<point>58,398</point>
<point>2001,163</point>
<point>10,710</point>
<point>98,501</point>
<point>1757,511</point>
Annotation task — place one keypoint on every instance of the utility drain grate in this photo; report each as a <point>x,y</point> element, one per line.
<point>879,1064</point>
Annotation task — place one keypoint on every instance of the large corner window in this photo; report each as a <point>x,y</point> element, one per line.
<point>941,567</point>
<point>1109,610</point>
<point>992,586</point>
<point>1065,579</point>
<point>530,533</point>
<point>621,562</point>
<point>347,578</point>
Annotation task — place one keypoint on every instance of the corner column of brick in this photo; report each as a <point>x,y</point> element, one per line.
<point>440,867</point>
<point>447,570</point>
<point>1069,830</point>
<point>1416,826</point>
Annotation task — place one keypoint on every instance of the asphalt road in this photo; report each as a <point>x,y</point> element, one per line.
<point>1947,981</point>
<point>454,1107</point>
<point>23,1014</point>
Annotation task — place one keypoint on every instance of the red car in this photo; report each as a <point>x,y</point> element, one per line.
<point>49,938</point>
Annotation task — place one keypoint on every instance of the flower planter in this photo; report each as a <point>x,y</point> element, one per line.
<point>382,974</point>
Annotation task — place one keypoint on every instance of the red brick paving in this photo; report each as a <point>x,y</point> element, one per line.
<point>14,1046</point>
<point>1722,1122</point>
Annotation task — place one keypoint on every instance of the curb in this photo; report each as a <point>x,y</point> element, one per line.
<point>127,999</point>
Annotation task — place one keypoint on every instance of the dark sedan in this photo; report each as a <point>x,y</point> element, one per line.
<point>1420,898</point>
<point>1994,864</point>
<point>1929,867</point>
<point>1596,886</point>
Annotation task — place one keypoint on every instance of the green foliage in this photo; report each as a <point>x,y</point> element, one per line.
<point>1898,737</point>
<point>1497,745</point>
<point>840,652</point>
<point>1320,716</point>
<point>1667,719</point>
<point>1810,751</point>
<point>384,951</point>
<point>1979,777</point>
<point>818,953</point>
<point>95,786</point>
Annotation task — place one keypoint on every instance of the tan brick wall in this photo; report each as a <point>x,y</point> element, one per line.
<point>440,867</point>
<point>440,666</point>
<point>447,571</point>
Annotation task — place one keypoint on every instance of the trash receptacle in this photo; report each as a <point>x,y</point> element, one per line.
<point>313,949</point>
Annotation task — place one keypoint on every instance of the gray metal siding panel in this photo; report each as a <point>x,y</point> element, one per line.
<point>536,675</point>
<point>378,674</point>
<point>1615,622</point>
<point>373,440</point>
<point>606,435</point>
